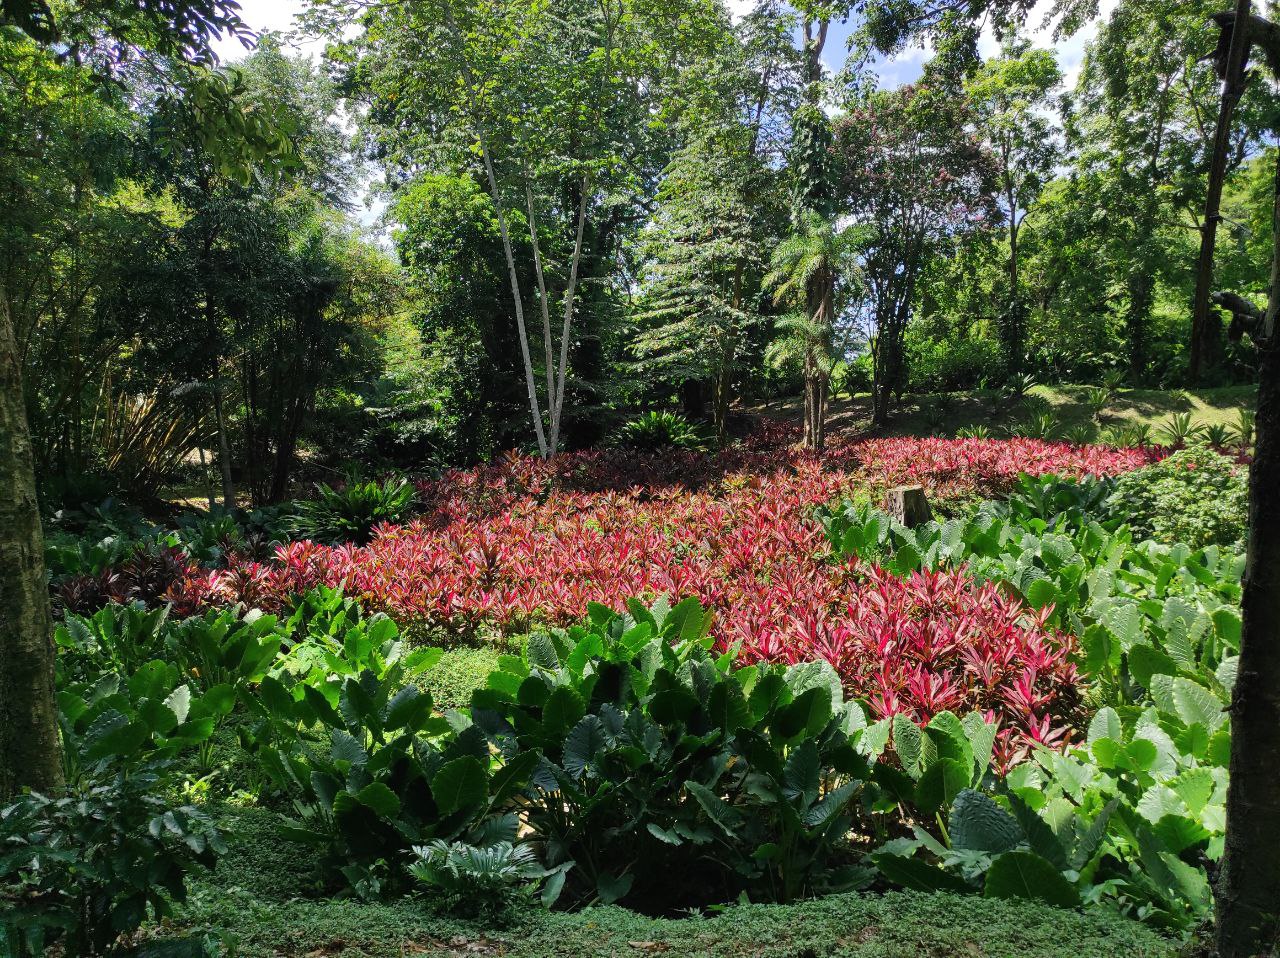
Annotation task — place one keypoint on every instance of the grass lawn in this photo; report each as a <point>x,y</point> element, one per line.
<point>943,414</point>
<point>259,899</point>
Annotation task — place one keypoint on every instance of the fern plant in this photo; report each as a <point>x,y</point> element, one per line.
<point>480,882</point>
<point>656,430</point>
<point>350,512</point>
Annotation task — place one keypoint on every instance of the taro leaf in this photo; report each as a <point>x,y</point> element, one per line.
<point>663,834</point>
<point>1091,839</point>
<point>179,702</point>
<point>1195,703</point>
<point>112,734</point>
<point>940,784</point>
<point>802,776</point>
<point>512,777</point>
<point>1106,724</point>
<point>723,815</point>
<point>1220,748</point>
<point>346,750</point>
<point>555,884</point>
<point>541,651</point>
<point>1158,801</point>
<point>874,738</point>
<point>1039,835</point>
<point>1041,593</point>
<point>978,824</point>
<point>808,713</point>
<point>380,799</point>
<point>1195,787</point>
<point>1226,672</point>
<point>917,875</point>
<point>611,888</point>
<point>459,784</point>
<point>949,739</point>
<point>1227,624</point>
<point>583,745</point>
<point>982,739</point>
<point>765,694</point>
<point>832,804</point>
<point>1178,833</point>
<point>1146,661</point>
<point>563,710</point>
<point>1027,875</point>
<point>406,708</point>
<point>815,674</point>
<point>907,742</point>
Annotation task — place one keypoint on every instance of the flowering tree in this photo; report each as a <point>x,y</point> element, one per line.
<point>915,176</point>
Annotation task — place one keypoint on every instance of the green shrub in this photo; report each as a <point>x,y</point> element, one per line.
<point>652,431</point>
<point>1194,496</point>
<point>350,512</point>
<point>459,673</point>
<point>83,870</point>
<point>666,776</point>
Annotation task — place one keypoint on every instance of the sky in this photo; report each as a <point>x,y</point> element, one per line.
<point>279,15</point>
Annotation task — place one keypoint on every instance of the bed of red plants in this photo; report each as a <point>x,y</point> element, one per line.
<point>523,542</point>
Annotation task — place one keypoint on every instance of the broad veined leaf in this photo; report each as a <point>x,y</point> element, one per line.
<point>1027,875</point>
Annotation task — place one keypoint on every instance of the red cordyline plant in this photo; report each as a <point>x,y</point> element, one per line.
<point>523,542</point>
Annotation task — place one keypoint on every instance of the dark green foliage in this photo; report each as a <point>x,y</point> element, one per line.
<point>350,512</point>
<point>80,870</point>
<point>669,777</point>
<point>1196,496</point>
<point>656,430</point>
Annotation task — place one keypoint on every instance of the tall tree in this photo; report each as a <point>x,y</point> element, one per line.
<point>107,38</point>
<point>916,177</point>
<point>1012,98</point>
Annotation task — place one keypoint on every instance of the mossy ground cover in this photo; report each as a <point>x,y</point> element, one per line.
<point>264,900</point>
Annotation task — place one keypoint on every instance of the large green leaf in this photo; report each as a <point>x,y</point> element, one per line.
<point>917,875</point>
<point>1027,875</point>
<point>583,745</point>
<point>978,824</point>
<point>460,784</point>
<point>802,775</point>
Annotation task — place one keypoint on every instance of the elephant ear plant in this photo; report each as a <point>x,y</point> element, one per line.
<point>666,775</point>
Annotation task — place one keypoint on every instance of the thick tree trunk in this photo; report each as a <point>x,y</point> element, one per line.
<point>29,751</point>
<point>1248,892</point>
<point>1248,889</point>
<point>1233,84</point>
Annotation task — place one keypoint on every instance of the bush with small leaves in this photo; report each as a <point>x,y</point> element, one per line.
<point>1196,496</point>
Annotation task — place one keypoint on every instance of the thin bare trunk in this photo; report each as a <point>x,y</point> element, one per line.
<point>224,451</point>
<point>557,403</point>
<point>500,211</point>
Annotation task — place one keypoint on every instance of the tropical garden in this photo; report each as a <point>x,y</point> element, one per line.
<point>609,477</point>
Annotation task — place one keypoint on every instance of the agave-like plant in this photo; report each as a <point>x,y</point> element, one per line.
<point>1218,435</point>
<point>1042,425</point>
<point>349,512</point>
<point>658,429</point>
<point>1242,429</point>
<point>1097,399</point>
<point>978,431</point>
<point>1081,434</point>
<point>1180,430</point>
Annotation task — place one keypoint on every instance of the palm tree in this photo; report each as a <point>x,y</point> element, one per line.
<point>816,267</point>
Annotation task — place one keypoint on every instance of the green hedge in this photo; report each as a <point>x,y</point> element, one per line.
<point>257,898</point>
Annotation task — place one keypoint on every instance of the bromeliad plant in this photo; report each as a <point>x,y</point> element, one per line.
<point>667,775</point>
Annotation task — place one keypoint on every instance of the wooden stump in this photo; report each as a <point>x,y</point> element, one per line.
<point>909,505</point>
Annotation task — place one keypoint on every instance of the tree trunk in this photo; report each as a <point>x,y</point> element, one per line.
<point>1232,89</point>
<point>30,755</point>
<point>224,451</point>
<point>1248,888</point>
